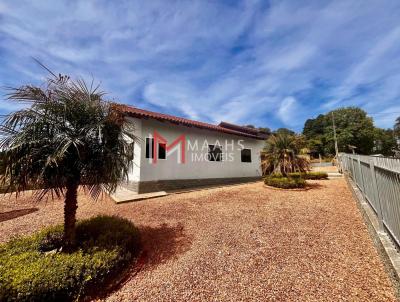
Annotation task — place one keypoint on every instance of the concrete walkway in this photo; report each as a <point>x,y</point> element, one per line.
<point>122,195</point>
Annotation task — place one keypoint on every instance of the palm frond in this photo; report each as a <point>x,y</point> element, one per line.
<point>281,155</point>
<point>69,131</point>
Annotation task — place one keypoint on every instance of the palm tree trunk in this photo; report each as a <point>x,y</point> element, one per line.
<point>70,207</point>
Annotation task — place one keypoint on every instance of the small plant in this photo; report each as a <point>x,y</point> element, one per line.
<point>285,182</point>
<point>310,175</point>
<point>52,240</point>
<point>33,269</point>
<point>316,175</point>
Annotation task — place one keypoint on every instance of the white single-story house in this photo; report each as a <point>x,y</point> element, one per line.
<point>174,153</point>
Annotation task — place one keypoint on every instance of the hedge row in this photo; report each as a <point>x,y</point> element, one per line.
<point>285,182</point>
<point>33,268</point>
<point>310,175</point>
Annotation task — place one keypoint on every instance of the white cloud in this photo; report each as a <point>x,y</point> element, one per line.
<point>376,66</point>
<point>289,111</point>
<point>244,63</point>
<point>386,118</point>
<point>291,58</point>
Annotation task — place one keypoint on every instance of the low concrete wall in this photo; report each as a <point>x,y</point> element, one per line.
<point>384,244</point>
<point>178,184</point>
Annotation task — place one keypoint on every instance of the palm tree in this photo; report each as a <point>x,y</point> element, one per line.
<point>281,155</point>
<point>68,137</point>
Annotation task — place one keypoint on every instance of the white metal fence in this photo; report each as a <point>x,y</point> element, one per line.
<point>378,178</point>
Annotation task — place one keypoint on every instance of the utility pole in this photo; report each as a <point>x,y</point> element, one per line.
<point>334,136</point>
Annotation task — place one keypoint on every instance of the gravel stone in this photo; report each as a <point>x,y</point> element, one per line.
<point>237,243</point>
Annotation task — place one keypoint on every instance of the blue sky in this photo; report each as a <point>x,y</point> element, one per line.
<point>267,63</point>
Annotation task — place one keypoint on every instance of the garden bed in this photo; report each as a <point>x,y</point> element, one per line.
<point>285,182</point>
<point>293,180</point>
<point>34,268</point>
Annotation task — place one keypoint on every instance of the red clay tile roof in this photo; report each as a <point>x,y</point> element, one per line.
<point>238,130</point>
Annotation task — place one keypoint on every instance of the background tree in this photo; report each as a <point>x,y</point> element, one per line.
<point>353,127</point>
<point>384,141</point>
<point>264,130</point>
<point>68,137</point>
<point>397,127</point>
<point>316,146</point>
<point>284,131</point>
<point>314,128</point>
<point>282,154</point>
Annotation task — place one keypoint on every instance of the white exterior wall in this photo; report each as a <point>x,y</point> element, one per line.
<point>134,173</point>
<point>170,168</point>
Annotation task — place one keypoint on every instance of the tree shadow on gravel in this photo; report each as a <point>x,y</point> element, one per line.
<point>163,243</point>
<point>311,186</point>
<point>158,244</point>
<point>4,216</point>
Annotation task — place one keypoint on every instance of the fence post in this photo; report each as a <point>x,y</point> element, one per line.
<point>376,193</point>
<point>361,185</point>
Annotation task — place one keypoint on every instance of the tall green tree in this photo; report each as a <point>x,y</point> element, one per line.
<point>265,130</point>
<point>353,127</point>
<point>284,131</point>
<point>384,141</point>
<point>397,127</point>
<point>314,131</point>
<point>68,137</point>
<point>314,128</point>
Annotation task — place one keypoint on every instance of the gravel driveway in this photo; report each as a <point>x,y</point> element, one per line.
<point>244,242</point>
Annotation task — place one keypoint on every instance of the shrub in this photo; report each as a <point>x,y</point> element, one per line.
<point>285,182</point>
<point>316,175</point>
<point>33,269</point>
<point>308,175</point>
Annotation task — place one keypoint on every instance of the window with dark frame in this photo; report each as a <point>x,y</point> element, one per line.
<point>214,153</point>
<point>149,147</point>
<point>162,150</point>
<point>246,155</point>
